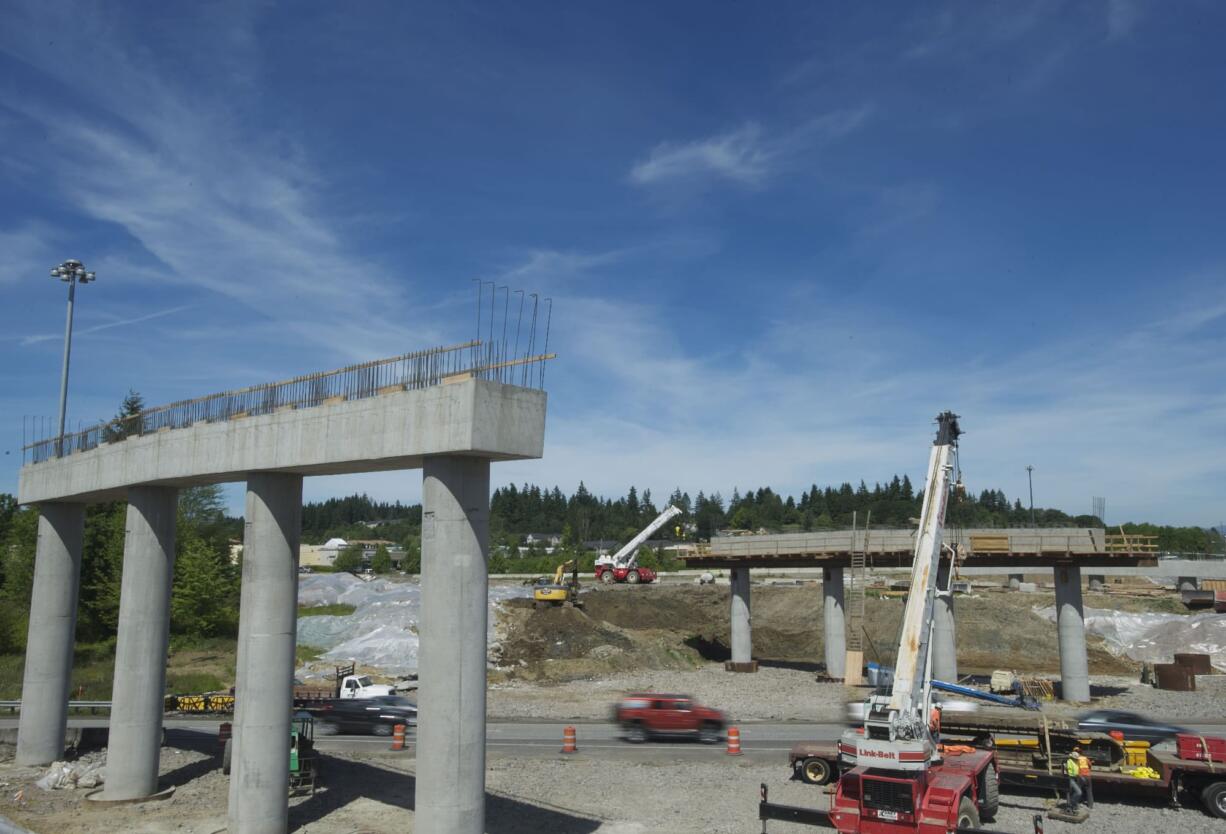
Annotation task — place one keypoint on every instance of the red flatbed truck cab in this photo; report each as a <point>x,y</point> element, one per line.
<point>957,792</point>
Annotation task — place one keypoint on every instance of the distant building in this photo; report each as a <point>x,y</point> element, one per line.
<point>603,547</point>
<point>545,539</point>
<point>324,555</point>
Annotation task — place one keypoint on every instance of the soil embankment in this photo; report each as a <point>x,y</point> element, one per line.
<point>622,629</point>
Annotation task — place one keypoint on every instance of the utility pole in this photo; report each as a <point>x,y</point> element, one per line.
<point>70,271</point>
<point>1030,480</point>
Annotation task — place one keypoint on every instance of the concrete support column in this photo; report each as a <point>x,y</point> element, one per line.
<point>1070,622</point>
<point>1016,580</point>
<point>450,793</point>
<point>268,614</point>
<point>741,624</point>
<point>944,644</point>
<point>135,740</point>
<point>835,622</point>
<point>53,621</point>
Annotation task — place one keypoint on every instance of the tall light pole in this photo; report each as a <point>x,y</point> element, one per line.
<point>1030,480</point>
<point>70,272</point>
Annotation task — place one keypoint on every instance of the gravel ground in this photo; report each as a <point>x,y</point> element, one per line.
<point>781,694</point>
<point>770,694</point>
<point>573,795</point>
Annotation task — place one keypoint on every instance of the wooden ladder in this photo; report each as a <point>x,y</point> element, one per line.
<point>854,663</point>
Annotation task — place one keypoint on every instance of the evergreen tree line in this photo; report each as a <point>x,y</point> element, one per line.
<point>320,518</point>
<point>204,600</point>
<point>516,511</point>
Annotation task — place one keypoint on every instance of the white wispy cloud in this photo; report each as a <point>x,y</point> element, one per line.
<point>27,252</point>
<point>1122,17</point>
<point>1091,412</point>
<point>746,155</point>
<point>740,155</point>
<point>110,325</point>
<point>232,210</point>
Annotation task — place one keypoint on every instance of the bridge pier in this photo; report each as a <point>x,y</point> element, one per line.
<point>740,625</point>
<point>450,792</point>
<point>53,621</point>
<point>268,615</point>
<point>944,644</point>
<point>135,740</point>
<point>1070,623</point>
<point>835,623</point>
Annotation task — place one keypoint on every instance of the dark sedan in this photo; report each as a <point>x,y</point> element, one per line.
<point>1133,726</point>
<point>365,715</point>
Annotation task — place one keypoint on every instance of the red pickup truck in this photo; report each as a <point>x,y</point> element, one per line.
<point>645,714</point>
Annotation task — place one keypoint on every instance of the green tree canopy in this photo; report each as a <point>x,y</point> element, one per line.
<point>349,559</point>
<point>381,561</point>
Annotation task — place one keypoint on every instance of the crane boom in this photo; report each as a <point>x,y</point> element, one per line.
<point>622,558</point>
<point>912,687</point>
<point>896,732</point>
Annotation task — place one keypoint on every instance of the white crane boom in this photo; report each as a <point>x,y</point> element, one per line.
<point>896,732</point>
<point>624,557</point>
<point>912,678</point>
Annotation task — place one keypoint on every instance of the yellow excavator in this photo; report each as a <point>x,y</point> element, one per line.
<point>559,592</point>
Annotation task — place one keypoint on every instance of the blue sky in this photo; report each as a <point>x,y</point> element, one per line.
<point>779,238</point>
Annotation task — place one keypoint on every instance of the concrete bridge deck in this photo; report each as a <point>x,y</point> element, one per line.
<point>1005,548</point>
<point>449,412</point>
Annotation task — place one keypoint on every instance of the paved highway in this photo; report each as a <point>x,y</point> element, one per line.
<point>765,741</point>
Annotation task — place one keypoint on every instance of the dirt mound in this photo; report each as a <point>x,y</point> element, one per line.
<point>675,627</point>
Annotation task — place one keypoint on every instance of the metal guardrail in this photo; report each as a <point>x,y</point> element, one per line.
<point>93,706</point>
<point>409,371</point>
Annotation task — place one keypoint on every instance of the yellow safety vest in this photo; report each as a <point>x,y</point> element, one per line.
<point>1071,767</point>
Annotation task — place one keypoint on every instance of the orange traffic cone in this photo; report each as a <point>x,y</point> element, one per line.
<point>734,741</point>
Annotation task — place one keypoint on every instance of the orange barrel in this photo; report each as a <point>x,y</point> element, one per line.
<point>568,740</point>
<point>734,741</point>
<point>398,737</point>
<point>223,734</point>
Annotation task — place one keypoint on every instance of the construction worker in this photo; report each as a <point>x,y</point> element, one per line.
<point>1087,784</point>
<point>1073,771</point>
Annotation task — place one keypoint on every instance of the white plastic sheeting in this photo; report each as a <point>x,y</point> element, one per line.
<point>1155,638</point>
<point>83,773</point>
<point>382,631</point>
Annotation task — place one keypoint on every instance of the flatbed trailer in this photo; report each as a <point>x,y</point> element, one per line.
<point>1031,753</point>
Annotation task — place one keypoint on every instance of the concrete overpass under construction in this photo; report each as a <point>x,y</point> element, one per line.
<point>447,411</point>
<point>1065,551</point>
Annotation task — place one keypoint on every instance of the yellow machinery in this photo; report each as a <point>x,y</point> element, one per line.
<point>559,592</point>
